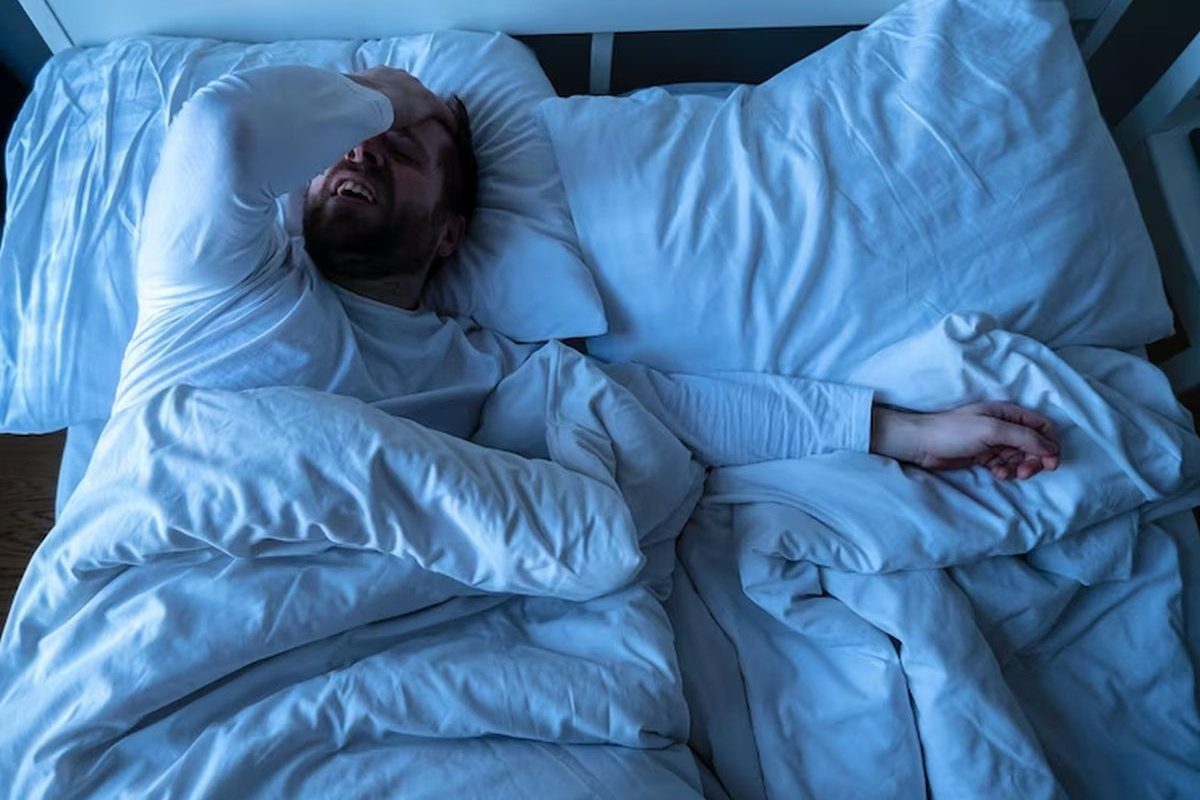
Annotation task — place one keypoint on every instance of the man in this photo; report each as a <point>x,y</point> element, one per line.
<point>379,220</point>
<point>226,300</point>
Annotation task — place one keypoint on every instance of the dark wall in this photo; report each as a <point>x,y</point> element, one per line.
<point>11,92</point>
<point>1147,40</point>
<point>22,50</point>
<point>22,53</point>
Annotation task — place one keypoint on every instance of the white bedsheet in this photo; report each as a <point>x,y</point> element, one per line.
<point>288,578</point>
<point>896,632</point>
<point>265,592</point>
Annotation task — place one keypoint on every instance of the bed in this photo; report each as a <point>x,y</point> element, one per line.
<point>832,625</point>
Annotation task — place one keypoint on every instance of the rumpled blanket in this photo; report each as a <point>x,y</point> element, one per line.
<point>285,593</point>
<point>878,630</point>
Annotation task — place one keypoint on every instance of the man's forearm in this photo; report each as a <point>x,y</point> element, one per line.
<point>893,433</point>
<point>292,122</point>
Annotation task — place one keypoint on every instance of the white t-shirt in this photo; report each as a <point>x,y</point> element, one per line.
<point>228,300</point>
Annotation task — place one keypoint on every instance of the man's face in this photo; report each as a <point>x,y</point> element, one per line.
<point>385,192</point>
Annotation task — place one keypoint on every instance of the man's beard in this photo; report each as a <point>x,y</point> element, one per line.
<point>346,246</point>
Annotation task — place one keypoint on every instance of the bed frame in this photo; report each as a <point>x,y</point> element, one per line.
<point>1160,140</point>
<point>70,23</point>
<point>603,47</point>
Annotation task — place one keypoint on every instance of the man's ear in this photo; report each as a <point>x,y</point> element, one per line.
<point>452,236</point>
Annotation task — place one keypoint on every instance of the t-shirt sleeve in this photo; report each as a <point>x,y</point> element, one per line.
<point>238,144</point>
<point>733,418</point>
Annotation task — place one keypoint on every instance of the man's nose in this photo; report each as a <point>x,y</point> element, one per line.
<point>366,153</point>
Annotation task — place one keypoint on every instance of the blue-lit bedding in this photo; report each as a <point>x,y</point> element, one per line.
<point>280,592</point>
<point>889,632</point>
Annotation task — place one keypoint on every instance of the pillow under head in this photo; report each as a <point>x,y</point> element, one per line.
<point>83,151</point>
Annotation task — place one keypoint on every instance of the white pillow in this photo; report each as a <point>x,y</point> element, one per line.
<point>948,158</point>
<point>84,148</point>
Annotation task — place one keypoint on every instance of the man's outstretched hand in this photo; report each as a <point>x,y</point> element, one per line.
<point>411,101</point>
<point>1011,441</point>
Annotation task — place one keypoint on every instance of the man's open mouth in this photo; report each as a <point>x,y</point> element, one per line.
<point>352,189</point>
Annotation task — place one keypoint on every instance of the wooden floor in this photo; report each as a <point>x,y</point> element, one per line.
<point>28,474</point>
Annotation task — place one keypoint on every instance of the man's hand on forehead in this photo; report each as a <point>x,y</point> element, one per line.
<point>411,101</point>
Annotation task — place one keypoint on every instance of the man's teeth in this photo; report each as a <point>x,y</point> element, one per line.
<point>356,189</point>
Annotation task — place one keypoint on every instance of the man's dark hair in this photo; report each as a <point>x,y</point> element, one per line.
<point>462,171</point>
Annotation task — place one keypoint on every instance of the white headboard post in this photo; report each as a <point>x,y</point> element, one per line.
<point>47,24</point>
<point>1107,19</point>
<point>600,67</point>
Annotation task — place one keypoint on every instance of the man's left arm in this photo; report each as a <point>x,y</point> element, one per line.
<point>734,418</point>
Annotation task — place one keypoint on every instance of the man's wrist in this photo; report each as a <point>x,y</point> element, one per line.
<point>894,433</point>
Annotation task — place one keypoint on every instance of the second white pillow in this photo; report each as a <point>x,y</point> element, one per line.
<point>945,159</point>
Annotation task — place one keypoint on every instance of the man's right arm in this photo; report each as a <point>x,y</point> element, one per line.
<point>238,144</point>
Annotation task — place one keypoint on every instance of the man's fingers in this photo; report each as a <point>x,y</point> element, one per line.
<point>1031,466</point>
<point>1021,443</point>
<point>1022,438</point>
<point>1011,412</point>
<point>422,108</point>
<point>441,112</point>
<point>412,102</point>
<point>1020,467</point>
<point>1013,460</point>
<point>1000,464</point>
<point>1006,463</point>
<point>1000,457</point>
<point>1023,430</point>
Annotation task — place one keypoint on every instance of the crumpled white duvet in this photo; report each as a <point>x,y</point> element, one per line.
<point>893,632</point>
<point>284,593</point>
